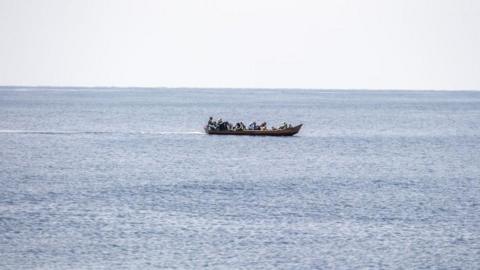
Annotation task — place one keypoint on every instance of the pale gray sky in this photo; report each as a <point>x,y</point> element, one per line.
<point>376,44</point>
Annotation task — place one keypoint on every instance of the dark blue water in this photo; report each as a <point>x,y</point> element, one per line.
<point>125,179</point>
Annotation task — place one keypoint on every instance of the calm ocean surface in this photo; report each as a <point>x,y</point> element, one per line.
<point>125,179</point>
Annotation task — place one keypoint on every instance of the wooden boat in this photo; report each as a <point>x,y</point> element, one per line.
<point>277,132</point>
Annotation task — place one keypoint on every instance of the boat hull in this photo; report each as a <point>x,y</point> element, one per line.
<point>279,132</point>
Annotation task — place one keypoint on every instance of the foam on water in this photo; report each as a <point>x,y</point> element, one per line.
<point>58,132</point>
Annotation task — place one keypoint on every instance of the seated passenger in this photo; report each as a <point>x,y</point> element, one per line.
<point>223,126</point>
<point>243,126</point>
<point>212,125</point>
<point>236,127</point>
<point>284,126</point>
<point>220,124</point>
<point>263,126</point>
<point>252,126</point>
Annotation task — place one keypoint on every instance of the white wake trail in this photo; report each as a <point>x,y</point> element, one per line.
<point>63,132</point>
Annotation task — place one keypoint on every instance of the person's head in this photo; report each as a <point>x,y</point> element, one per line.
<point>211,118</point>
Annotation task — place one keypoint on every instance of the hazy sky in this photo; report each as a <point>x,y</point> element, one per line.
<point>377,44</point>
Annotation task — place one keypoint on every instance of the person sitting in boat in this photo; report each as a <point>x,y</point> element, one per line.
<point>220,124</point>
<point>284,126</point>
<point>252,126</point>
<point>263,126</point>
<point>212,125</point>
<point>242,126</point>
<point>238,127</point>
<point>224,125</point>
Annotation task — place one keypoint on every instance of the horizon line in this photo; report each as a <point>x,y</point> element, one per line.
<point>232,88</point>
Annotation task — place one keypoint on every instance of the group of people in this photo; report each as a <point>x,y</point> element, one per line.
<point>225,125</point>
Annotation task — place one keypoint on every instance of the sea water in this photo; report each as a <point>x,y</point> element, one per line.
<point>108,178</point>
